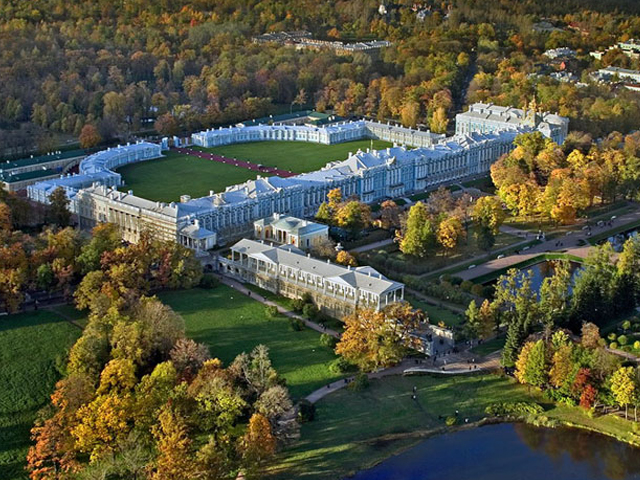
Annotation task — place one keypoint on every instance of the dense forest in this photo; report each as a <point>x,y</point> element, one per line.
<point>176,66</point>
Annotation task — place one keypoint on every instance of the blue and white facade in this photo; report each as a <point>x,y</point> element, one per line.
<point>97,168</point>
<point>485,118</point>
<point>219,218</point>
<point>328,135</point>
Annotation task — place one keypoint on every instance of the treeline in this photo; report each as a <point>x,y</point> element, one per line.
<point>140,400</point>
<point>579,373</point>
<point>558,183</point>
<point>60,259</point>
<point>602,290</point>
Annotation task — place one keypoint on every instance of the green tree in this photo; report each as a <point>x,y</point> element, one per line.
<point>419,233</point>
<point>58,209</point>
<point>554,295</point>
<point>624,387</point>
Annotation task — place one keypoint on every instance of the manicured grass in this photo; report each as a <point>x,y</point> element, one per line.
<point>165,179</point>
<point>298,157</point>
<point>435,313</point>
<point>489,346</point>
<point>396,264</point>
<point>350,428</point>
<point>31,345</point>
<point>231,323</point>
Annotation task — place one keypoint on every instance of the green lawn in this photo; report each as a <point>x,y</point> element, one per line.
<point>231,323</point>
<point>349,431</point>
<point>165,179</point>
<point>298,157</point>
<point>489,346</point>
<point>437,314</point>
<point>355,430</point>
<point>31,344</point>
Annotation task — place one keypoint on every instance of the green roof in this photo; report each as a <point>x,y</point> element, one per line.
<point>19,177</point>
<point>25,162</point>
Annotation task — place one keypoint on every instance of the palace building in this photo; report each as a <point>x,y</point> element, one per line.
<point>335,289</point>
<point>484,118</point>
<point>484,134</point>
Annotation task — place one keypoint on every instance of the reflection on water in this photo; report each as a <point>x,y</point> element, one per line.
<point>513,452</point>
<point>544,269</point>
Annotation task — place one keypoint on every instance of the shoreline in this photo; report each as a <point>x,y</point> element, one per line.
<point>420,435</point>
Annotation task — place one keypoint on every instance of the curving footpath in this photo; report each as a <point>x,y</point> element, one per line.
<point>454,364</point>
<point>235,163</point>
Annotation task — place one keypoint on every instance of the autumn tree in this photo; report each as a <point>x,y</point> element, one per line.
<point>374,339</point>
<point>258,445</point>
<point>345,258</point>
<point>624,387</point>
<point>89,136</point>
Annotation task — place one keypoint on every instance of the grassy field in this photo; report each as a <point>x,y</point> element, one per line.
<point>165,179</point>
<point>231,323</point>
<point>30,347</point>
<point>298,157</point>
<point>436,314</point>
<point>355,430</point>
<point>349,431</point>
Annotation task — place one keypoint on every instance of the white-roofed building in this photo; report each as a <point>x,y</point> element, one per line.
<point>483,117</point>
<point>288,230</point>
<point>336,290</point>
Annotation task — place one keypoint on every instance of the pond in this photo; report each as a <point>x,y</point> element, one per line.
<point>512,452</point>
<point>542,270</point>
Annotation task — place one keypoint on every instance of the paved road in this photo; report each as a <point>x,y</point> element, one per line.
<point>372,246</point>
<point>236,163</point>
<point>567,244</point>
<point>288,313</point>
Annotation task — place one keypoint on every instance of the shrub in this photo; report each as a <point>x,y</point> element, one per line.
<point>327,340</point>
<point>359,383</point>
<point>622,340</point>
<point>466,286</point>
<point>626,325</point>
<point>306,411</point>
<point>297,305</point>
<point>309,311</point>
<point>296,324</point>
<point>208,282</point>
<point>271,311</point>
<point>456,281</point>
<point>340,365</point>
<point>513,408</point>
<point>636,345</point>
<point>451,421</point>
<point>477,290</point>
<point>307,298</point>
<point>613,345</point>
<point>611,336</point>
<point>488,291</point>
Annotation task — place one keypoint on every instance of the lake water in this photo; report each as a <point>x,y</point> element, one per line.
<point>542,270</point>
<point>512,452</point>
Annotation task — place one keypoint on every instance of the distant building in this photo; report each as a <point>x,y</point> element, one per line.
<point>336,290</point>
<point>609,73</point>
<point>545,26</point>
<point>562,52</point>
<point>631,48</point>
<point>288,230</point>
<point>303,39</point>
<point>482,117</point>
